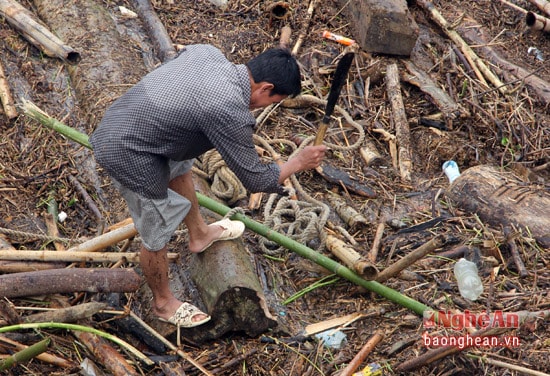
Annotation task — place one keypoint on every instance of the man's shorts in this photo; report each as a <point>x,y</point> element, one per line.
<point>156,220</point>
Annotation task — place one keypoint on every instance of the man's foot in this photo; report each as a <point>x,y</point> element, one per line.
<point>187,316</point>
<point>225,229</point>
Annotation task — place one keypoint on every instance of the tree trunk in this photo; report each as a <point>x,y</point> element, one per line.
<point>500,199</point>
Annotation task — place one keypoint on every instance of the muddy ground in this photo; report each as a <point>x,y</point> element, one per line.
<point>510,131</point>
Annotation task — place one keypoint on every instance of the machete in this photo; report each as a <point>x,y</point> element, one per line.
<point>337,81</point>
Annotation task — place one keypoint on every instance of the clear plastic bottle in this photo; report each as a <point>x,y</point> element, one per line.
<point>469,283</point>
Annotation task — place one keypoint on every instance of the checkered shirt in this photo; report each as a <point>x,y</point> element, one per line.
<point>183,108</point>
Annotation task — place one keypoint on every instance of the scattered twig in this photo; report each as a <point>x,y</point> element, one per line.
<point>394,269</point>
<point>363,353</point>
<point>5,95</point>
<point>402,131</point>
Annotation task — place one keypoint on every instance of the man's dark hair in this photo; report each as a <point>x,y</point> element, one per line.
<point>278,67</point>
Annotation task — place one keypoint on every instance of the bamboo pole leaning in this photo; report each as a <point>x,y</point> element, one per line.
<point>278,238</point>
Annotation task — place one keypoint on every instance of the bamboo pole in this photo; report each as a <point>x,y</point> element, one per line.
<point>298,248</point>
<point>31,110</point>
<point>537,22</point>
<point>76,256</point>
<point>44,357</point>
<point>24,21</point>
<point>25,354</point>
<point>543,5</point>
<point>351,258</point>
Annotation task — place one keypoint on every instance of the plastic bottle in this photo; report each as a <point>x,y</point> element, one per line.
<point>469,283</point>
<point>450,168</point>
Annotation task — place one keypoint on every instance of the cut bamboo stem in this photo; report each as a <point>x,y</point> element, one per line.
<point>351,258</point>
<point>25,354</point>
<point>411,258</point>
<point>26,23</point>
<point>537,22</point>
<point>543,5</point>
<point>44,357</point>
<point>402,131</point>
<point>106,240</point>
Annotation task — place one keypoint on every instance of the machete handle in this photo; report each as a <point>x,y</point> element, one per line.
<point>320,134</point>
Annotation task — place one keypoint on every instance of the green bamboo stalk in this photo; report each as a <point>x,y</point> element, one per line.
<point>278,238</point>
<point>31,110</point>
<point>316,257</point>
<point>58,325</point>
<point>25,354</point>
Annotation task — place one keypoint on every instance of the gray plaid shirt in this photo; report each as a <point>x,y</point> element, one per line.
<point>185,107</point>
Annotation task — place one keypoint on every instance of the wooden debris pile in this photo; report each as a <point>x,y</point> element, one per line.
<point>378,270</point>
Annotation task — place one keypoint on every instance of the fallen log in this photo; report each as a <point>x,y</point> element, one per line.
<point>25,22</point>
<point>500,198</point>
<point>156,30</point>
<point>230,291</point>
<point>68,281</point>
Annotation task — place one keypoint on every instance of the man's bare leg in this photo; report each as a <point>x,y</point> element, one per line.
<point>200,234</point>
<point>154,265</point>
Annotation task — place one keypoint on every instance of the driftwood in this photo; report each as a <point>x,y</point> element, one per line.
<point>68,314</point>
<point>5,95</point>
<point>156,30</point>
<point>402,131</point>
<point>25,22</point>
<point>449,108</point>
<point>351,258</point>
<point>337,176</point>
<point>68,281</point>
<point>349,215</point>
<point>499,198</point>
<point>106,354</point>
<point>230,289</point>
<point>363,353</point>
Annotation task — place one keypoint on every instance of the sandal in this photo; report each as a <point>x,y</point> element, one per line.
<point>183,317</point>
<point>231,230</point>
